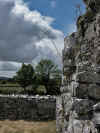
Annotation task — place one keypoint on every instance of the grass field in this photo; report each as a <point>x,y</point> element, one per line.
<point>27,127</point>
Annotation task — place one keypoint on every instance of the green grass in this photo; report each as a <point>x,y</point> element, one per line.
<point>10,89</point>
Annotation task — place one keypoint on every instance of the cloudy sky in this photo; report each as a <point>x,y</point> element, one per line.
<point>31,30</point>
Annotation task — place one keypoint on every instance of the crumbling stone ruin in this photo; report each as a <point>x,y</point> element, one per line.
<point>78,108</point>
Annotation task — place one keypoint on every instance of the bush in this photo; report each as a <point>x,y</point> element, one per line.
<point>3,82</point>
<point>41,90</point>
<point>11,90</point>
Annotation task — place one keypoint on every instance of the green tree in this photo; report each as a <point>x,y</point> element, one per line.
<point>47,72</point>
<point>25,76</point>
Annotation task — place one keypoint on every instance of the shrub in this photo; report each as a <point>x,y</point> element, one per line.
<point>41,90</point>
<point>3,82</point>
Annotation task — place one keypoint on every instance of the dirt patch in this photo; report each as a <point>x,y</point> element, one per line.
<point>27,127</point>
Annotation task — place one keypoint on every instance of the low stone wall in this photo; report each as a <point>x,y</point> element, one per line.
<point>27,108</point>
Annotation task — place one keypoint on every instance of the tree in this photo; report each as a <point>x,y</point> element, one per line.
<point>47,72</point>
<point>41,90</point>
<point>25,76</point>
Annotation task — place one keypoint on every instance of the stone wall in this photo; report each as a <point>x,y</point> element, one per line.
<point>27,108</point>
<point>78,108</point>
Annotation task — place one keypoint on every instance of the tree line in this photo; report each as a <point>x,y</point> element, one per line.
<point>44,79</point>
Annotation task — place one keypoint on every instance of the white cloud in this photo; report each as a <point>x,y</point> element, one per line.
<point>8,69</point>
<point>26,35</point>
<point>9,74</point>
<point>9,66</point>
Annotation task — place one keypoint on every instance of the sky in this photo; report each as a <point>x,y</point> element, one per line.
<point>31,30</point>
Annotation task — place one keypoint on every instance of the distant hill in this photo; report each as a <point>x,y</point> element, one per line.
<point>5,78</point>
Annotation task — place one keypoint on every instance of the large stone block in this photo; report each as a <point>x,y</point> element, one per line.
<point>83,109</point>
<point>88,85</point>
<point>59,115</point>
<point>86,77</point>
<point>81,91</point>
<point>80,126</point>
<point>96,114</point>
<point>94,91</point>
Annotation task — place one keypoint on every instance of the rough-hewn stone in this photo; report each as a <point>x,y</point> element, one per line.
<point>27,108</point>
<point>81,69</point>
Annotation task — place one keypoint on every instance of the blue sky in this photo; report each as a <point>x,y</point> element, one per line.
<point>63,11</point>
